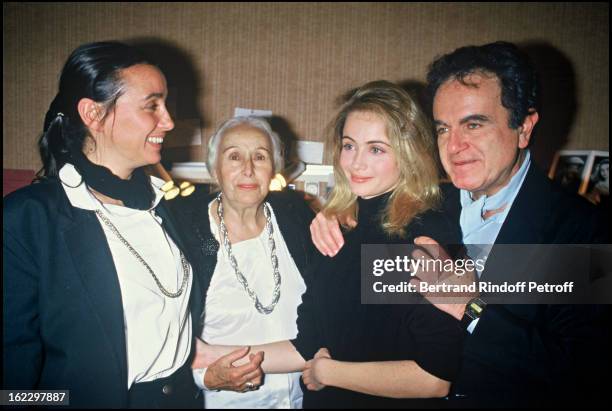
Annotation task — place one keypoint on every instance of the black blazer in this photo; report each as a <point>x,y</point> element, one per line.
<point>292,215</point>
<point>63,315</point>
<point>536,354</point>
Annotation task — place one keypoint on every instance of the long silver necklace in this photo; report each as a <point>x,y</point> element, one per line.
<point>243,281</point>
<point>184,263</point>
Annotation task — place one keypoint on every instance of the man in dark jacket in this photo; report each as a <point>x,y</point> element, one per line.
<point>484,111</point>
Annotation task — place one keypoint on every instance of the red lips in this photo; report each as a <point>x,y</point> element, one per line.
<point>248,186</point>
<point>360,179</point>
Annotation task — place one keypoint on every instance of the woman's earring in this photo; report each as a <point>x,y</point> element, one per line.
<point>90,145</point>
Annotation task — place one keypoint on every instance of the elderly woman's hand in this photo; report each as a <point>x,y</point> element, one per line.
<point>223,375</point>
<point>313,370</point>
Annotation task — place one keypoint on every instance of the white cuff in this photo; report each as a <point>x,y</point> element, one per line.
<point>470,327</point>
<point>198,378</point>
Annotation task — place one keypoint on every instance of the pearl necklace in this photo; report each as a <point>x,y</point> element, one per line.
<point>241,279</point>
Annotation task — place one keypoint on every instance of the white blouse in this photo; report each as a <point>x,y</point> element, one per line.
<point>157,328</point>
<point>232,319</point>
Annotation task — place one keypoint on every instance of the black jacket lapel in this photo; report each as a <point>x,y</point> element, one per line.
<point>196,299</point>
<point>93,261</point>
<point>524,224</point>
<point>529,213</point>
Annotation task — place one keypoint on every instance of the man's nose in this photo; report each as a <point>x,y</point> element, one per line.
<point>456,141</point>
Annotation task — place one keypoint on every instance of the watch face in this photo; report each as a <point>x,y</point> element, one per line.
<point>474,308</point>
<point>477,309</point>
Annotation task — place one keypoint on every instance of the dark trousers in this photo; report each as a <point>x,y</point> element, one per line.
<point>175,391</point>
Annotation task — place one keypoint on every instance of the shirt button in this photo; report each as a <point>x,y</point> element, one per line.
<point>167,389</point>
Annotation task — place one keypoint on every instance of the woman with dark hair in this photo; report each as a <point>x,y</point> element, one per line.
<point>98,296</point>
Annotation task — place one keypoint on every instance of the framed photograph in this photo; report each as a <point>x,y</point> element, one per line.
<point>586,172</point>
<point>598,188</point>
<point>570,168</point>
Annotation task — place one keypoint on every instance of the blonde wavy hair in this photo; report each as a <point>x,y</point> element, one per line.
<point>410,135</point>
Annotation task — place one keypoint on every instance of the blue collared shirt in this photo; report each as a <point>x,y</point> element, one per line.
<point>477,230</point>
<point>479,234</point>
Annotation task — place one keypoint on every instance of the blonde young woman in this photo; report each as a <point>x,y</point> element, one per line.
<point>372,355</point>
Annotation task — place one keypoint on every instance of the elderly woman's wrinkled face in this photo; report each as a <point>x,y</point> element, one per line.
<point>245,166</point>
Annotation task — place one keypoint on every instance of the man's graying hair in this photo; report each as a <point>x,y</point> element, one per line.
<point>517,77</point>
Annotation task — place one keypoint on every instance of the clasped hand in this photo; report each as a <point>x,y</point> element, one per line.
<point>223,374</point>
<point>312,374</point>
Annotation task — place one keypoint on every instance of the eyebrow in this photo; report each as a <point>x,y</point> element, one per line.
<point>474,117</point>
<point>258,148</point>
<point>370,142</point>
<point>439,123</point>
<point>153,95</point>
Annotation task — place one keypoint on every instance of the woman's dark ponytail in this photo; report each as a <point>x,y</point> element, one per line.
<point>92,71</point>
<point>53,144</point>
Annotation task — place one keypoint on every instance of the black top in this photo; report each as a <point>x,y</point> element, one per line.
<point>332,315</point>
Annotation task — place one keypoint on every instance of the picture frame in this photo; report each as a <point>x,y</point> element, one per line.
<point>598,188</point>
<point>585,172</point>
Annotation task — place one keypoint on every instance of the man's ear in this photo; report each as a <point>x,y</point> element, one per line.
<point>526,129</point>
<point>91,114</point>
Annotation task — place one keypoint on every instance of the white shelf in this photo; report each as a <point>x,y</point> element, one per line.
<point>198,173</point>
<point>193,171</point>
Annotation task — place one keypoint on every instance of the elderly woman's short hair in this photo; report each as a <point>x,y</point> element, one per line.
<point>255,122</point>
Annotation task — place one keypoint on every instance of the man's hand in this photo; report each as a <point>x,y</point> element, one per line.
<point>452,303</point>
<point>312,371</point>
<point>223,375</point>
<point>326,234</point>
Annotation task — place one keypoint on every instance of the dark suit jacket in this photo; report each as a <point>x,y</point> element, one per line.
<point>536,354</point>
<point>292,215</point>
<point>63,315</point>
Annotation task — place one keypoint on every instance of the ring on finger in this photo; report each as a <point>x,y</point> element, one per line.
<point>249,385</point>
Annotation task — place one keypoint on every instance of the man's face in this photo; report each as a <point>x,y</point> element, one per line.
<point>478,149</point>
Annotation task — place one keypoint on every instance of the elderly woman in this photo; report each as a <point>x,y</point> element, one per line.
<point>252,245</point>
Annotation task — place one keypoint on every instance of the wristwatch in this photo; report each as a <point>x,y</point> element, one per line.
<point>473,311</point>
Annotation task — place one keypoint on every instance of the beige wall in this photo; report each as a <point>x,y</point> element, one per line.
<point>296,59</point>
